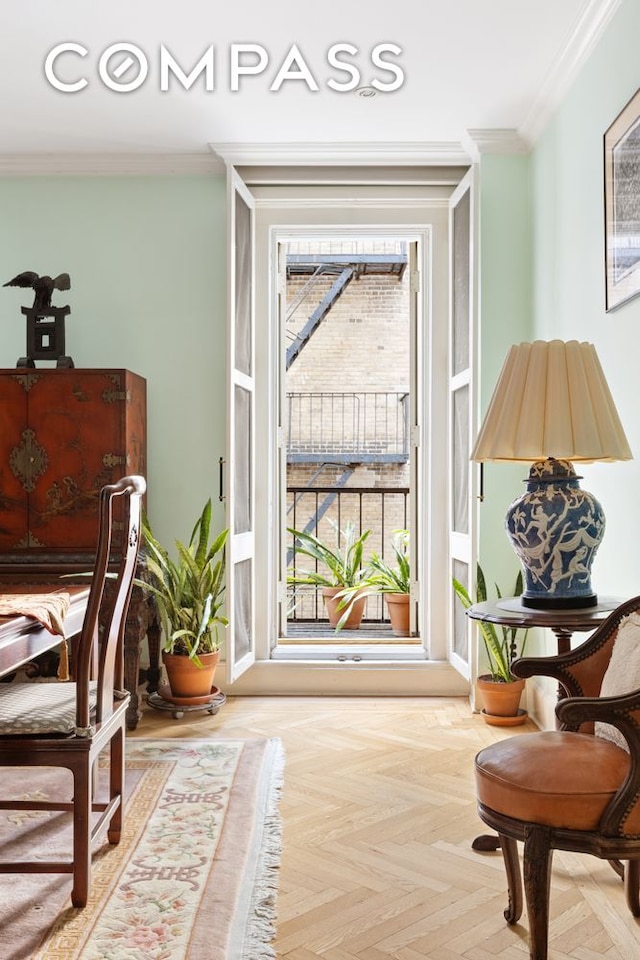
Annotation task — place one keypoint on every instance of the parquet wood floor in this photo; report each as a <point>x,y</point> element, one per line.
<point>379,813</point>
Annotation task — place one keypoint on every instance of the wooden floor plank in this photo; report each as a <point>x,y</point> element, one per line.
<point>378,811</point>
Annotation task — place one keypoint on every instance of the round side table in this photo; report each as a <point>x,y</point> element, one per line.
<point>510,612</point>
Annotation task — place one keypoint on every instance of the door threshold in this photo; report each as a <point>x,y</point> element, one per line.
<point>409,649</point>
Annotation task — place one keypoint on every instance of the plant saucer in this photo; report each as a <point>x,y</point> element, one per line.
<point>164,691</point>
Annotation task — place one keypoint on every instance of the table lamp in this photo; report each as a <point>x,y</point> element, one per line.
<point>552,405</point>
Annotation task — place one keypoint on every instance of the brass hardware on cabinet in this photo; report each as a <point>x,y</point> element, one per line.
<point>28,460</point>
<point>115,396</point>
<point>29,541</point>
<point>113,460</point>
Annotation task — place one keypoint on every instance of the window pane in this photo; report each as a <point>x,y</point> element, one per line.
<point>243,287</point>
<point>460,619</point>
<point>242,621</point>
<point>460,519</point>
<point>242,465</point>
<point>461,279</point>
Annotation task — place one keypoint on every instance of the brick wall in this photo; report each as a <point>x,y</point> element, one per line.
<point>361,346</point>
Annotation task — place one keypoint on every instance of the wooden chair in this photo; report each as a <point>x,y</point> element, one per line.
<point>69,724</point>
<point>578,787</point>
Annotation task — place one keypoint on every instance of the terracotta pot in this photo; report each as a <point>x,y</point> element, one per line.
<point>501,700</point>
<point>186,678</point>
<point>357,610</point>
<point>398,607</point>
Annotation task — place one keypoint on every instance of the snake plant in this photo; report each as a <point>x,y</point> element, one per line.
<point>501,648</point>
<point>188,591</point>
<point>340,565</point>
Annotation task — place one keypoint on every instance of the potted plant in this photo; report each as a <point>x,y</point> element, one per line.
<point>338,570</point>
<point>188,594</point>
<point>501,691</point>
<point>394,581</point>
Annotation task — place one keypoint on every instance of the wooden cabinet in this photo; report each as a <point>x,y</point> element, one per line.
<point>64,433</point>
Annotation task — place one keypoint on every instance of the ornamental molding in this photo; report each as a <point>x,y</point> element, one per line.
<point>582,38</point>
<point>414,153</point>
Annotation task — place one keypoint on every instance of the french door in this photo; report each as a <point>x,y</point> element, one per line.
<point>262,219</point>
<point>462,419</point>
<point>240,456</point>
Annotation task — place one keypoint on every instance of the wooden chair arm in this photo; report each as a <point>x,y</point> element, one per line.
<point>579,671</point>
<point>618,711</point>
<point>623,713</point>
<point>557,667</point>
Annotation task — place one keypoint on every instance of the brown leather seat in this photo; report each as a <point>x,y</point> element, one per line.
<point>568,789</point>
<point>68,725</point>
<point>548,778</point>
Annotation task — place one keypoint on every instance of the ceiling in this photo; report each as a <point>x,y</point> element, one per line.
<point>466,66</point>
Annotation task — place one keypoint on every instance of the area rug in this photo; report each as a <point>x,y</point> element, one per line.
<point>193,878</point>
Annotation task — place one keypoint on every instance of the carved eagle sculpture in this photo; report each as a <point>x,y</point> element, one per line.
<point>43,286</point>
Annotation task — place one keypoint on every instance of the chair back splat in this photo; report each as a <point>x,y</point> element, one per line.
<point>108,627</point>
<point>577,787</point>
<point>70,724</point>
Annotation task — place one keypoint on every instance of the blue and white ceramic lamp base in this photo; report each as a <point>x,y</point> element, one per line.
<point>555,529</point>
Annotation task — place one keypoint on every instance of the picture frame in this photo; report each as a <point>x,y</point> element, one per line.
<point>622,205</point>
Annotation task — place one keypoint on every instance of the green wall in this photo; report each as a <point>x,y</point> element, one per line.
<point>568,273</point>
<point>147,260</point>
<point>505,318</point>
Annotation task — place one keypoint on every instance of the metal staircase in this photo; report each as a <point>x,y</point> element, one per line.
<point>345,267</point>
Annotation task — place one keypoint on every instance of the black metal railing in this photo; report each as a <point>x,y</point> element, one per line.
<point>362,427</point>
<point>325,512</point>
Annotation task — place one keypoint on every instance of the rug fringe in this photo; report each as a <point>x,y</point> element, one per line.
<point>262,930</point>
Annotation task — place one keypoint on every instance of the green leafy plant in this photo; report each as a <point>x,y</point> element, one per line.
<point>341,565</point>
<point>501,648</point>
<point>382,577</point>
<point>188,591</point>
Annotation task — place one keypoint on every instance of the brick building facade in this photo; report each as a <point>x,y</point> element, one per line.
<point>347,397</point>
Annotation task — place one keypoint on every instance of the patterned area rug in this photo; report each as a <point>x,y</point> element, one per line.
<point>194,877</point>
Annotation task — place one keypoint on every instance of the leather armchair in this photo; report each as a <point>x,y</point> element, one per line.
<point>570,788</point>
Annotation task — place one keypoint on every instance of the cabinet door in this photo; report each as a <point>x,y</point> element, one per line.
<point>15,457</point>
<point>77,417</point>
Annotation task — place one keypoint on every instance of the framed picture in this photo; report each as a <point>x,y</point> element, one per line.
<point>622,205</point>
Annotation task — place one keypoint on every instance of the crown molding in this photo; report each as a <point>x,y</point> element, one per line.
<point>479,141</point>
<point>109,164</point>
<point>342,154</point>
<point>353,203</point>
<point>574,52</point>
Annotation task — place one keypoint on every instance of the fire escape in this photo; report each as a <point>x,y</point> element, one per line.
<point>339,429</point>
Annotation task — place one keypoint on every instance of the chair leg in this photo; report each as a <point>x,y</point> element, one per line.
<point>514,884</point>
<point>82,798</point>
<point>116,784</point>
<point>632,886</point>
<point>537,883</point>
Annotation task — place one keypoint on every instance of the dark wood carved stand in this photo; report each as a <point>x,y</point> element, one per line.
<point>45,336</point>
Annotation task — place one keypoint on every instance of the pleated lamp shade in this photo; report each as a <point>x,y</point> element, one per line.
<point>551,400</point>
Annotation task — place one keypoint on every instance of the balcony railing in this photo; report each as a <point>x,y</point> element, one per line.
<point>347,427</point>
<point>324,512</point>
